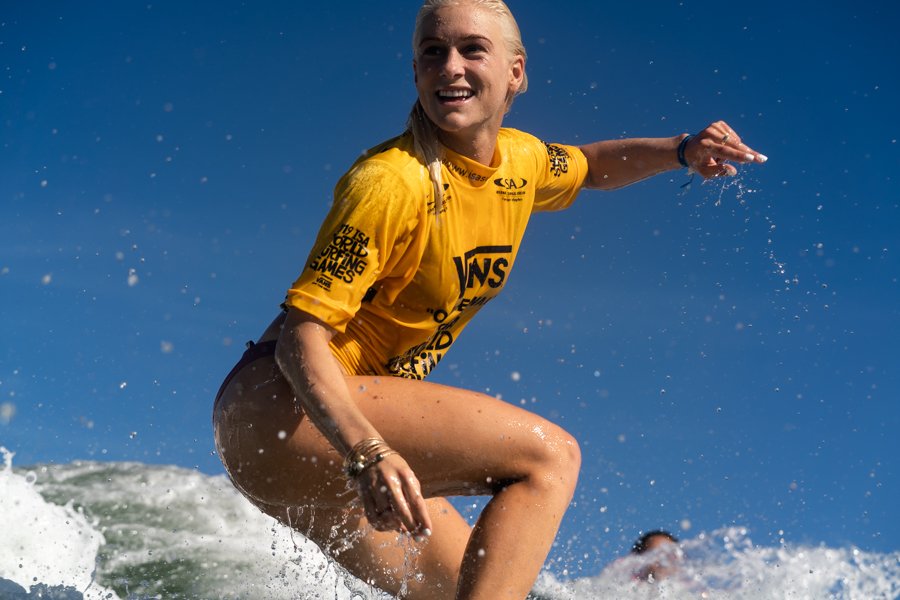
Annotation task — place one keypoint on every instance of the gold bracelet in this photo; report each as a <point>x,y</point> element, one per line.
<point>364,454</point>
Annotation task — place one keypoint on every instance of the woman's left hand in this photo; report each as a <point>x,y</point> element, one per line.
<point>392,498</point>
<point>707,152</point>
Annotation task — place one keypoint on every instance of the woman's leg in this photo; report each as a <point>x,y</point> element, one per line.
<point>458,442</point>
<point>387,560</point>
<point>305,489</point>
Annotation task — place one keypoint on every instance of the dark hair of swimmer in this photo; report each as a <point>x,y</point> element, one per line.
<point>643,543</point>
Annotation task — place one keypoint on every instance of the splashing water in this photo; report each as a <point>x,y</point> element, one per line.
<point>130,530</point>
<point>727,565</point>
<point>45,546</point>
<point>742,194</point>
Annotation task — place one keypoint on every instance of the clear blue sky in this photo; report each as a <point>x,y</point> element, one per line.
<point>726,355</point>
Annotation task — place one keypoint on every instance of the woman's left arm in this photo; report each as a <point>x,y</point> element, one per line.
<point>616,163</point>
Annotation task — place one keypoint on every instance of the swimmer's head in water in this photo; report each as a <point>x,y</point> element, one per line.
<point>652,540</point>
<point>663,562</point>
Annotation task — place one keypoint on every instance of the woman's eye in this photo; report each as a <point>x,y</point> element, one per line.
<point>473,49</point>
<point>432,51</point>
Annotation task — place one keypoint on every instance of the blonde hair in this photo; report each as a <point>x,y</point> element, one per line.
<point>425,133</point>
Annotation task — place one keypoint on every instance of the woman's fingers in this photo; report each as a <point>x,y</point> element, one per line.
<point>400,505</point>
<point>377,509</point>
<point>419,523</point>
<point>709,150</point>
<point>408,504</point>
<point>393,499</point>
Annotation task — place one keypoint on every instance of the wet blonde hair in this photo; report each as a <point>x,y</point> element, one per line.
<point>423,129</point>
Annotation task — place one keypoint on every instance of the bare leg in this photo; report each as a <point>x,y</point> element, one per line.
<point>458,442</point>
<point>387,560</point>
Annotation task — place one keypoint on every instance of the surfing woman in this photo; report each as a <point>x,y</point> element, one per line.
<point>326,422</point>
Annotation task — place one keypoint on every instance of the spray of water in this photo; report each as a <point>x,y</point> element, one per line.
<point>125,530</point>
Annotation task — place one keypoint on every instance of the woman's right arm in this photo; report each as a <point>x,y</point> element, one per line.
<point>305,359</point>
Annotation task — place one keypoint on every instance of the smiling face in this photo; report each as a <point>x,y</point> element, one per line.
<point>465,76</point>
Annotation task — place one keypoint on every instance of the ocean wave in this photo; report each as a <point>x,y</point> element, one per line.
<point>113,530</point>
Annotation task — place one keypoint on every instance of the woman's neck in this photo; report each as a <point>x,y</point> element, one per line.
<point>479,148</point>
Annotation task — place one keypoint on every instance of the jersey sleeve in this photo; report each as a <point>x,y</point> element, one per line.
<point>561,171</point>
<point>361,239</point>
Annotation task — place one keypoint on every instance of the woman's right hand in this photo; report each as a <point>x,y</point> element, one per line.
<point>392,498</point>
<point>707,151</point>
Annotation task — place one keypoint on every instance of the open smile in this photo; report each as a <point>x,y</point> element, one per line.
<point>454,96</point>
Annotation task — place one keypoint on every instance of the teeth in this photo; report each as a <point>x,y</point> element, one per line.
<point>454,93</point>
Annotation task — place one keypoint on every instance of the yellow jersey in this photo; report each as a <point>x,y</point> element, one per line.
<point>399,285</point>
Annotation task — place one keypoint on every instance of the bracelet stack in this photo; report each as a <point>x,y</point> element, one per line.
<point>364,454</point>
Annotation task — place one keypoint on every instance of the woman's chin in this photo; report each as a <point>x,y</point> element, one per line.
<point>452,122</point>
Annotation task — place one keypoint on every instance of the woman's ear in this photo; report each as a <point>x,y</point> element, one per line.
<point>516,74</point>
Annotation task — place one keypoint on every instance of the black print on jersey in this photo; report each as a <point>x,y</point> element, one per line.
<point>344,258</point>
<point>445,201</point>
<point>477,268</point>
<point>559,159</point>
<point>463,172</point>
<point>419,361</point>
<point>511,183</point>
<point>511,189</point>
<point>482,265</point>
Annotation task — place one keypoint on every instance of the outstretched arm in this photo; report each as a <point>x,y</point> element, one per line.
<point>616,163</point>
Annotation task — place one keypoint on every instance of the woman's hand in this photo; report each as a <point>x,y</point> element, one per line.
<point>707,151</point>
<point>392,498</point>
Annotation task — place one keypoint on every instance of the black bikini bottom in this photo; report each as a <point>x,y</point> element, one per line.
<point>253,352</point>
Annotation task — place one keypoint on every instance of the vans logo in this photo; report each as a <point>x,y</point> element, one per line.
<point>482,265</point>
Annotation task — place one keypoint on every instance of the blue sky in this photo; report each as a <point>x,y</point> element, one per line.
<point>725,354</point>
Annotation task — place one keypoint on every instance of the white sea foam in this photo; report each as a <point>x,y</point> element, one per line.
<point>132,530</point>
<point>727,565</point>
<point>43,543</point>
<point>153,531</point>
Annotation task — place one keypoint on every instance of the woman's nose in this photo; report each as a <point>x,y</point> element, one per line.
<point>453,65</point>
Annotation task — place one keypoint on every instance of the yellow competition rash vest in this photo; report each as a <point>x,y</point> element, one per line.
<point>398,285</point>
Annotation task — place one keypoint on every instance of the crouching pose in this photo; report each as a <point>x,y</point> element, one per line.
<point>327,424</point>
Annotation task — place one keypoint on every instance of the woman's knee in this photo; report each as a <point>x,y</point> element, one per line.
<point>557,460</point>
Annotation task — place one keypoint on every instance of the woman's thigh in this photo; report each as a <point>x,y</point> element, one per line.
<point>461,442</point>
<point>458,442</point>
